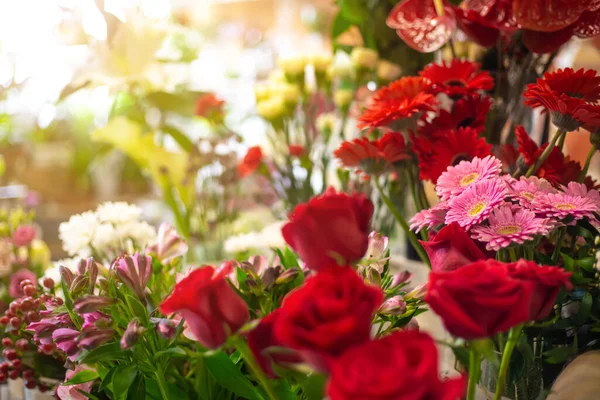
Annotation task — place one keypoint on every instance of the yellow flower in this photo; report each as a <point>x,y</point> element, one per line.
<point>341,67</point>
<point>261,91</point>
<point>388,71</point>
<point>293,66</point>
<point>272,108</point>
<point>364,58</point>
<point>342,98</point>
<point>40,253</point>
<point>320,62</point>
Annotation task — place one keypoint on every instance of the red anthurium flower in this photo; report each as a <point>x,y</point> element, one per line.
<point>373,156</point>
<point>468,112</point>
<point>419,25</point>
<point>210,306</point>
<point>457,79</point>
<point>251,161</point>
<point>452,248</point>
<point>548,15</point>
<point>405,98</point>
<point>330,228</point>
<point>588,24</point>
<point>326,316</point>
<point>448,148</point>
<point>370,371</point>
<point>476,27</point>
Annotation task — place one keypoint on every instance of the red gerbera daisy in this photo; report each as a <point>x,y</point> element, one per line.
<point>468,112</point>
<point>457,79</point>
<point>251,161</point>
<point>402,99</point>
<point>373,156</point>
<point>436,155</point>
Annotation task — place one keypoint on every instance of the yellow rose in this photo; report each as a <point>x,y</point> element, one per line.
<point>388,71</point>
<point>364,58</point>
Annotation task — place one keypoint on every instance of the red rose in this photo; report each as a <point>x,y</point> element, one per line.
<point>329,314</point>
<point>333,227</point>
<point>546,281</point>
<point>251,161</point>
<point>452,248</point>
<point>401,366</point>
<point>209,305</point>
<point>266,348</point>
<point>479,300</point>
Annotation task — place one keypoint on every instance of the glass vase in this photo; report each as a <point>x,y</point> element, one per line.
<point>527,386</point>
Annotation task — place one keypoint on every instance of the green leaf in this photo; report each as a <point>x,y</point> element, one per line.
<point>313,387</point>
<point>69,303</point>
<point>138,308</point>
<point>82,377</point>
<point>107,380</point>
<point>123,378</point>
<point>106,352</point>
<point>559,355</point>
<point>137,391</point>
<point>172,352</point>
<point>180,103</point>
<point>340,25</point>
<point>585,307</point>
<point>486,348</point>
<point>283,390</point>
<point>88,395</point>
<point>353,11</point>
<point>182,140</point>
<point>229,376</point>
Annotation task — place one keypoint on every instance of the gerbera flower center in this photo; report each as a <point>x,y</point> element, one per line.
<point>455,82</point>
<point>476,208</point>
<point>528,195</point>
<point>468,179</point>
<point>565,206</point>
<point>509,229</point>
<point>460,157</point>
<point>466,122</point>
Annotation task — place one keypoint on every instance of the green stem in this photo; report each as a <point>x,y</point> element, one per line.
<point>161,384</point>
<point>586,167</point>
<point>244,350</point>
<point>513,339</point>
<point>559,240</point>
<point>474,371</point>
<point>538,163</point>
<point>513,254</point>
<point>411,236</point>
<point>180,220</point>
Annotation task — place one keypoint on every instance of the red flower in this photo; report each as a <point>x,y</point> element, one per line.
<point>373,156</point>
<point>459,78</point>
<point>209,105</point>
<point>476,27</point>
<point>527,147</point>
<point>452,248</point>
<point>402,99</point>
<point>296,150</point>
<point>418,24</point>
<point>546,42</point>
<point>548,15</point>
<point>467,112</point>
<point>251,161</point>
<point>210,306</point>
<point>328,315</point>
<point>547,282</point>
<point>330,228</point>
<point>567,95</point>
<point>496,14</point>
<point>371,371</point>
<point>266,348</point>
<point>448,148</point>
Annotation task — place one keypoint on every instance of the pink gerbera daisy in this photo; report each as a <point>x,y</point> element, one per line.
<point>526,190</point>
<point>580,189</point>
<point>476,203</point>
<point>465,174</point>
<point>562,205</point>
<point>508,225</point>
<point>429,218</point>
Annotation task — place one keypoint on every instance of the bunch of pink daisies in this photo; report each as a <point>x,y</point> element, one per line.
<point>500,210</point>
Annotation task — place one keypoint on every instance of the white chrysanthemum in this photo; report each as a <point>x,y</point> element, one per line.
<point>244,242</point>
<point>119,212</point>
<point>77,233</point>
<point>140,232</point>
<point>105,237</point>
<point>271,236</point>
<point>54,271</point>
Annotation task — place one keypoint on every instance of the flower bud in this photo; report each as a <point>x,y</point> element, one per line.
<point>400,278</point>
<point>132,334</point>
<point>287,276</point>
<point>91,339</point>
<point>393,306</point>
<point>373,276</point>
<point>134,271</point>
<point>364,58</point>
<point>90,303</point>
<point>387,71</point>
<point>79,283</point>
<point>82,267</point>
<point>253,286</point>
<point>169,244</point>
<point>167,328</point>
<point>342,98</point>
<point>48,283</point>
<point>272,108</point>
<point>66,275</point>
<point>417,293</point>
<point>293,67</point>
<point>92,269</point>
<point>268,277</point>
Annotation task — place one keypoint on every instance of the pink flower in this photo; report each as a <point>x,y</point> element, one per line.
<point>134,271</point>
<point>526,190</point>
<point>72,392</point>
<point>66,340</point>
<point>430,218</point>
<point>169,245</point>
<point>508,226</point>
<point>581,190</point>
<point>476,203</point>
<point>14,289</point>
<point>563,205</point>
<point>467,173</point>
<point>23,235</point>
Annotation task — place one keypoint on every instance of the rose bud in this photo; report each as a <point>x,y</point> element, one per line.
<point>287,276</point>
<point>66,275</point>
<point>132,334</point>
<point>90,303</point>
<point>211,307</point>
<point>134,271</point>
<point>393,306</point>
<point>48,283</point>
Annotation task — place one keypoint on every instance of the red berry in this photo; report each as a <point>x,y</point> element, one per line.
<point>14,306</point>
<point>10,314</point>
<point>2,377</point>
<point>28,374</point>
<point>9,354</point>
<point>33,316</point>
<point>27,305</point>
<point>3,367</point>
<point>59,301</point>
<point>29,290</point>
<point>22,344</point>
<point>38,302</point>
<point>31,384</point>
<point>14,374</point>
<point>4,320</point>
<point>48,283</point>
<point>7,342</point>
<point>45,297</point>
<point>15,322</point>
<point>16,363</point>
<point>25,282</point>
<point>43,387</point>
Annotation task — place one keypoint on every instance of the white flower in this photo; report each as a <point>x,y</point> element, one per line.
<point>119,212</point>
<point>243,242</point>
<point>105,237</point>
<point>77,233</point>
<point>341,67</point>
<point>271,236</point>
<point>326,122</point>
